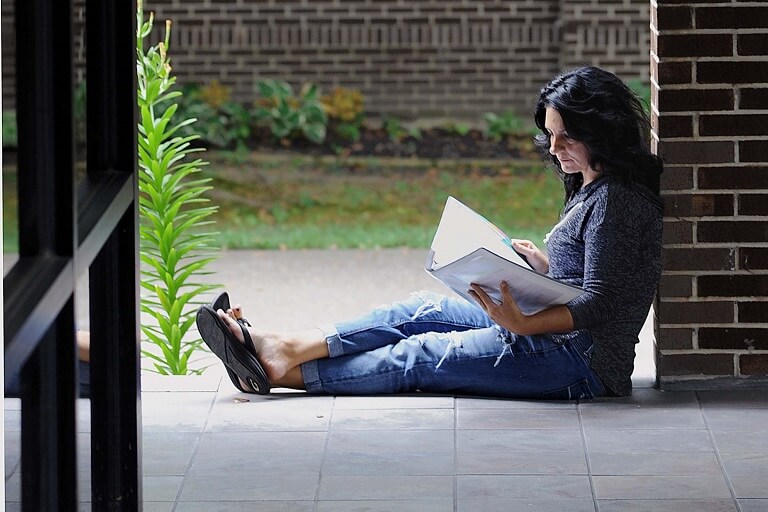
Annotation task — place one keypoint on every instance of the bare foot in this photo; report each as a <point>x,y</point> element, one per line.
<point>270,349</point>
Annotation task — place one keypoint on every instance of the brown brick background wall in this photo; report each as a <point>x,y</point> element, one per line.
<point>710,74</point>
<point>422,58</point>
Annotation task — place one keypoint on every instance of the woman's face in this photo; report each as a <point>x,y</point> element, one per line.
<point>572,155</point>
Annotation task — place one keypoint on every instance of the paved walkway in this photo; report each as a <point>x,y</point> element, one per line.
<point>208,448</point>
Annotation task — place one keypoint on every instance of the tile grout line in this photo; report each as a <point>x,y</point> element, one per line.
<point>586,457</point>
<point>717,454</point>
<point>455,454</point>
<point>194,450</point>
<point>316,500</point>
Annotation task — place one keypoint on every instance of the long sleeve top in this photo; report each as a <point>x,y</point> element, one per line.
<point>609,243</point>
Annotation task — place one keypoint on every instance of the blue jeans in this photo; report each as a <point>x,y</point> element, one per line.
<point>439,344</point>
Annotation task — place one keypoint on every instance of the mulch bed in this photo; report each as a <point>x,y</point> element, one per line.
<point>434,143</point>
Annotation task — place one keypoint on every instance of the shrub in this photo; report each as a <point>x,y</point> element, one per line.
<point>504,125</point>
<point>396,131</point>
<point>290,116</point>
<point>345,112</point>
<point>10,132</point>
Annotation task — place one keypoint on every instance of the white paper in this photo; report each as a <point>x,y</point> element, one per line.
<point>467,249</point>
<point>462,230</point>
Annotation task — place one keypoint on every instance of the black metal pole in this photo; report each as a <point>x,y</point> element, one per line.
<point>47,234</point>
<point>116,473</point>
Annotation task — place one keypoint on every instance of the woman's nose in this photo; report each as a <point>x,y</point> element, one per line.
<point>553,143</point>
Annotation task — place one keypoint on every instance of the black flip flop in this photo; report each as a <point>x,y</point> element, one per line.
<point>238,360</point>
<point>222,302</point>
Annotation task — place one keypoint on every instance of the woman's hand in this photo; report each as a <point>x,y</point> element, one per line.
<point>506,313</point>
<point>537,259</point>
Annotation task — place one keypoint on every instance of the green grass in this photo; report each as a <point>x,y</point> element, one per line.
<point>10,211</point>
<point>314,203</point>
<point>298,202</point>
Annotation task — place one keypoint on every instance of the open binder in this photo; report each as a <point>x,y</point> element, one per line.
<point>467,248</point>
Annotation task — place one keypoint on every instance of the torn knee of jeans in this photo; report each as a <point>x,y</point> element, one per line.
<point>454,341</point>
<point>430,303</point>
<point>504,337</point>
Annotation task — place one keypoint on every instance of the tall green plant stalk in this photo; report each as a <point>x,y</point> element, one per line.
<point>174,251</point>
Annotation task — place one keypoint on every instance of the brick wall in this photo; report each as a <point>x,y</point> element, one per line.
<point>8,45</point>
<point>710,74</point>
<point>612,34</point>
<point>422,58</point>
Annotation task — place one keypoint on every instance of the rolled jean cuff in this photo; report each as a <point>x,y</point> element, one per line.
<point>311,377</point>
<point>333,339</point>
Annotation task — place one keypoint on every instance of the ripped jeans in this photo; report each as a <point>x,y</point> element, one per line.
<point>439,344</point>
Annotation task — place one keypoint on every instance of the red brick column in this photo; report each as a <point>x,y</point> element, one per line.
<point>709,68</point>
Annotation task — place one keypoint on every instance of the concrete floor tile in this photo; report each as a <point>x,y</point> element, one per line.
<point>249,486</point>
<point>390,452</point>
<point>12,449</point>
<point>175,412</point>
<point>533,487</point>
<point>289,412</point>
<point>246,506</point>
<point>739,420</point>
<point>155,506</point>
<point>748,474</point>
<point>616,440</point>
<point>433,505</point>
<point>753,505</point>
<point>623,416</point>
<point>385,419</point>
<point>520,452</point>
<point>487,419</point>
<point>527,440</point>
<point>521,463</point>
<point>375,488</point>
<point>13,488</point>
<point>83,408</point>
<point>409,464</point>
<point>167,453</point>
<point>653,463</point>
<point>404,401</point>
<point>391,441</point>
<point>220,455</point>
<point>670,487</point>
<point>527,505</point>
<point>496,403</point>
<point>712,505</point>
<point>161,488</point>
<point>740,442</point>
<point>12,420</point>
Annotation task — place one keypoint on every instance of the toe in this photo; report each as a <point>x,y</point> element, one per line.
<point>234,327</point>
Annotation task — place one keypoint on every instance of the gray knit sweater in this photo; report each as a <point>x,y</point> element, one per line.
<point>609,243</point>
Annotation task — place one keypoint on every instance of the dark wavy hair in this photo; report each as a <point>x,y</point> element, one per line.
<point>602,113</point>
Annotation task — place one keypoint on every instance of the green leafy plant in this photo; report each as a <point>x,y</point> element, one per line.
<point>10,133</point>
<point>503,125</point>
<point>80,112</point>
<point>457,128</point>
<point>396,131</point>
<point>237,125</point>
<point>210,126</point>
<point>345,112</point>
<point>172,209</point>
<point>643,90</point>
<point>290,116</point>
